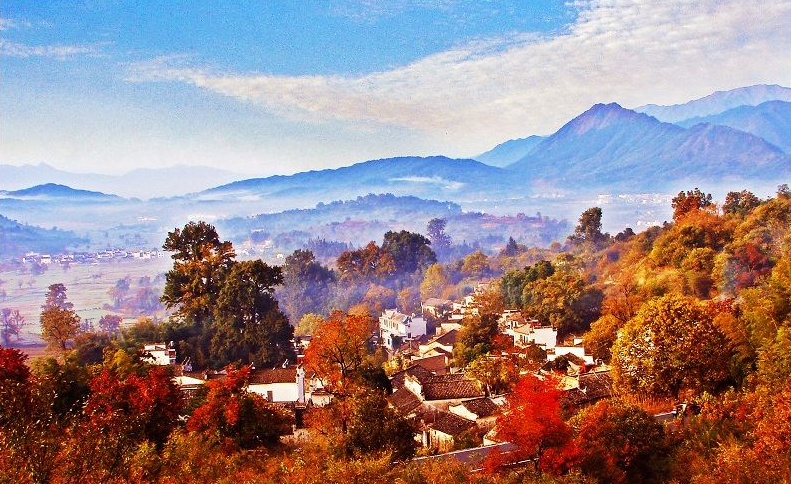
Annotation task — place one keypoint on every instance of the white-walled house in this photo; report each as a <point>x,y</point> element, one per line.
<point>279,385</point>
<point>394,325</point>
<point>160,353</point>
<point>544,336</point>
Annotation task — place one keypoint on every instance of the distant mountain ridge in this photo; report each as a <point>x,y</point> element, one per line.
<point>612,146</point>
<point>509,151</point>
<point>770,120</point>
<point>138,183</point>
<point>55,190</point>
<point>717,102</point>
<point>417,176</point>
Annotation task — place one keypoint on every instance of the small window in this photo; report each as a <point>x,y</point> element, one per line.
<point>269,395</point>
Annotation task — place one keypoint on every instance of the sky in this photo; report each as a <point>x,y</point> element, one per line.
<point>281,86</point>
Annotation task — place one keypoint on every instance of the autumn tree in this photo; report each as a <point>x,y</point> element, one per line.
<point>200,261</point>
<point>619,443</point>
<point>374,427</point>
<point>11,323</point>
<point>671,345</point>
<point>58,326</point>
<point>110,324</point>
<point>119,291</point>
<point>339,348</point>
<point>232,413</point>
<point>122,412</point>
<point>690,200</point>
<point>531,419</point>
<point>370,262</point>
<point>435,281</point>
<point>563,300</point>
<point>248,325</point>
<point>56,297</point>
<point>475,265</point>
<point>308,325</point>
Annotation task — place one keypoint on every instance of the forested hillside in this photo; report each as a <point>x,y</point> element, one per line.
<point>693,316</point>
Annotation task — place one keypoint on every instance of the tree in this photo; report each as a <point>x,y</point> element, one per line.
<point>410,251</point>
<point>59,326</point>
<point>475,264</point>
<point>564,301</point>
<point>306,285</point>
<point>476,338</point>
<point>11,323</point>
<point>434,282</point>
<point>671,345</point>
<point>511,248</point>
<point>740,203</point>
<point>339,348</point>
<point>110,324</point>
<point>602,335</point>
<point>619,443</point>
<point>531,420</point>
<point>119,291</point>
<point>56,297</point>
<point>370,262</point>
<point>373,427</point>
<point>200,261</point>
<point>685,202</point>
<point>249,327</point>
<point>588,229</point>
<point>236,415</point>
<point>440,241</point>
<point>308,325</point>
<point>122,413</point>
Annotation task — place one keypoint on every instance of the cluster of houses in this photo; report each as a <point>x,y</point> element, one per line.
<point>91,258</point>
<point>451,408</point>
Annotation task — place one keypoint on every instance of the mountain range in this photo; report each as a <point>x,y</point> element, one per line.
<point>509,151</point>
<point>770,120</point>
<point>609,146</point>
<point>717,102</point>
<point>140,183</point>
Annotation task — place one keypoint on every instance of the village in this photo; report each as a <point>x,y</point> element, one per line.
<point>454,411</point>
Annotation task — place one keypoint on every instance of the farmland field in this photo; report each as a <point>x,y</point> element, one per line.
<point>87,288</point>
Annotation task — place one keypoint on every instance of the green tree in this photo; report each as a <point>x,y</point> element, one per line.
<point>476,338</point>
<point>200,262</point>
<point>249,327</point>
<point>306,285</point>
<point>671,345</point>
<point>740,203</point>
<point>440,241</point>
<point>309,323</point>
<point>588,229</point>
<point>375,427</point>
<point>410,251</point>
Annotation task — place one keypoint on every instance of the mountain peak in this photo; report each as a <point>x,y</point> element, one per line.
<point>601,116</point>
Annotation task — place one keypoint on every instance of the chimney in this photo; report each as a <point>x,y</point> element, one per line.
<point>300,384</point>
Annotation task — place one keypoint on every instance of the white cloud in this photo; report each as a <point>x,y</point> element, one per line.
<point>15,49</point>
<point>629,51</point>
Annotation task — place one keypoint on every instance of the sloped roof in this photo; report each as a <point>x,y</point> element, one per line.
<point>482,407</point>
<point>405,401</point>
<point>450,424</point>
<point>447,339</point>
<point>451,388</point>
<point>433,301</point>
<point>437,363</point>
<point>265,376</point>
<point>417,371</point>
<point>593,386</point>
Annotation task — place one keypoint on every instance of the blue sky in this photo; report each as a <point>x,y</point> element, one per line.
<point>283,86</point>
